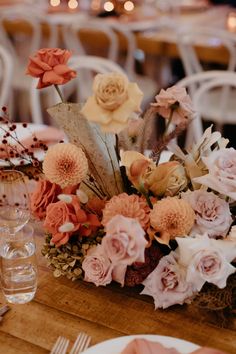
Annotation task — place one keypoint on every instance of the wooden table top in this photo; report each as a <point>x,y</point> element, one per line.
<point>62,307</point>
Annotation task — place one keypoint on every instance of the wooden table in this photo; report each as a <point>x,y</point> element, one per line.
<point>62,307</point>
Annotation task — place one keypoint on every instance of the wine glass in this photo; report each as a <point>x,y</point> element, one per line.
<point>14,201</point>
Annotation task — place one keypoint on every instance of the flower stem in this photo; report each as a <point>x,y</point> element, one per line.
<point>169,121</point>
<point>145,194</point>
<point>59,92</point>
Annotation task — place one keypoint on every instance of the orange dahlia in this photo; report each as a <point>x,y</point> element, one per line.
<point>131,206</point>
<point>172,217</point>
<point>65,164</point>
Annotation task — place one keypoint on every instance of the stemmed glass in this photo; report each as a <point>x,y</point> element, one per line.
<point>14,201</point>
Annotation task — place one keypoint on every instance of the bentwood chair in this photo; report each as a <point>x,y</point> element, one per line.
<point>6,73</point>
<point>221,111</point>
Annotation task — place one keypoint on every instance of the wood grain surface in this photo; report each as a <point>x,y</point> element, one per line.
<point>62,307</point>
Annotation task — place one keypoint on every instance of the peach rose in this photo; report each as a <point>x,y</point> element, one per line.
<point>49,65</point>
<point>174,98</point>
<point>44,194</point>
<point>167,179</point>
<point>113,102</point>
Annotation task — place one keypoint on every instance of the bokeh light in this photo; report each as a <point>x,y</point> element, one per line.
<point>108,6</point>
<point>129,5</point>
<point>55,2</point>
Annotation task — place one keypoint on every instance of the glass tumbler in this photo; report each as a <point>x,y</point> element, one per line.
<point>18,267</point>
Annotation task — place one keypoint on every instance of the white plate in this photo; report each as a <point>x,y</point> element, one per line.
<point>115,346</point>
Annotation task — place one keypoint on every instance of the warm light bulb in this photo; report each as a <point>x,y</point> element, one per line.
<point>108,6</point>
<point>55,2</point>
<point>72,4</point>
<point>129,5</point>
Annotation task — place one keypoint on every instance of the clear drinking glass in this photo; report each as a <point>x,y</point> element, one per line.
<point>14,201</point>
<point>18,267</point>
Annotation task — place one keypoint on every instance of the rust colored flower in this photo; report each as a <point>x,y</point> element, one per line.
<point>63,219</point>
<point>171,217</point>
<point>131,206</point>
<point>65,164</point>
<point>44,194</point>
<point>49,65</point>
<point>96,205</point>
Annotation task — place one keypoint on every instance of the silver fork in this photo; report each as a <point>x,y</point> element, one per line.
<point>60,346</point>
<point>82,342</point>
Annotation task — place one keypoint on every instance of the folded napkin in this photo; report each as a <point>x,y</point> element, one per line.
<point>143,346</point>
<point>48,136</point>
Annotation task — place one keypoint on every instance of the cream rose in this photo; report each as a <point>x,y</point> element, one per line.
<point>113,102</point>
<point>212,213</point>
<point>167,179</point>
<point>222,172</point>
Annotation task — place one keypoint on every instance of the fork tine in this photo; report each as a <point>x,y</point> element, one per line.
<point>55,345</point>
<point>60,346</point>
<point>81,343</point>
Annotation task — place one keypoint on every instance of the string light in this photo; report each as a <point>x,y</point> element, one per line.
<point>129,5</point>
<point>72,4</point>
<point>108,6</point>
<point>55,2</point>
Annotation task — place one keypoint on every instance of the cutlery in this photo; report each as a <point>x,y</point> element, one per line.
<point>82,342</point>
<point>3,310</point>
<point>60,346</point>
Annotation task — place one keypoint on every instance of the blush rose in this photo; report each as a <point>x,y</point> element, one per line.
<point>167,283</point>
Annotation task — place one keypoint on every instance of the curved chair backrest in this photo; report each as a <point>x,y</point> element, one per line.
<point>190,37</point>
<point>73,41</point>
<point>77,63</point>
<point>6,72</point>
<point>208,81</point>
<point>33,39</point>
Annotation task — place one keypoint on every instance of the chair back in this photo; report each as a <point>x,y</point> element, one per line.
<point>206,102</point>
<point>6,72</point>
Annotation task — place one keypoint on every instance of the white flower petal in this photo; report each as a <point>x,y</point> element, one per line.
<point>65,198</point>
<point>82,196</point>
<point>67,227</point>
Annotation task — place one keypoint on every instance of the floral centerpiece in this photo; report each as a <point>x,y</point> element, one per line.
<point>111,213</point>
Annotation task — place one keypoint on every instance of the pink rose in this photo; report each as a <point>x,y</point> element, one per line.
<point>222,172</point>
<point>124,244</point>
<point>209,265</point>
<point>167,283</point>
<point>44,194</point>
<point>206,259</point>
<point>174,98</point>
<point>97,267</point>
<point>49,65</point>
<point>212,213</point>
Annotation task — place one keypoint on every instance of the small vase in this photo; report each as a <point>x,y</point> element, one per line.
<point>98,147</point>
